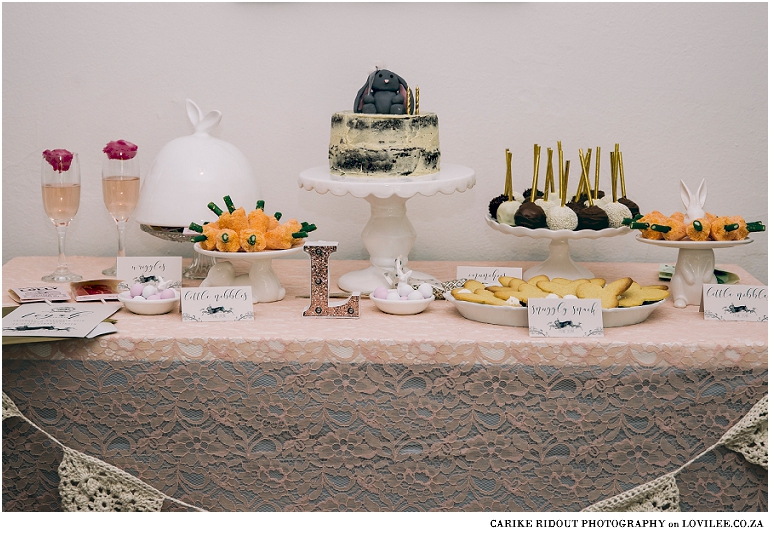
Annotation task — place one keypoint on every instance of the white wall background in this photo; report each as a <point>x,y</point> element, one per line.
<point>681,87</point>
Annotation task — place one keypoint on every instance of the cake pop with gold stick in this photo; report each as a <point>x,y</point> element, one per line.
<point>506,211</point>
<point>544,203</point>
<point>623,198</point>
<point>562,217</point>
<point>591,217</point>
<point>617,213</point>
<point>530,215</point>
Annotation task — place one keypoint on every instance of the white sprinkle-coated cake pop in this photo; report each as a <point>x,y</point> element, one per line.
<point>561,218</point>
<point>545,205</point>
<point>506,211</point>
<point>616,213</point>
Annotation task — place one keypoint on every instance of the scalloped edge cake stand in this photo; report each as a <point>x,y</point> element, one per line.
<point>694,267</point>
<point>265,285</point>
<point>559,262</point>
<point>388,234</point>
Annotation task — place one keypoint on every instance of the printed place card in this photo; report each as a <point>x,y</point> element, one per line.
<point>734,302</point>
<point>565,318</point>
<point>68,320</point>
<point>38,293</point>
<point>487,275</point>
<point>217,303</point>
<point>133,269</point>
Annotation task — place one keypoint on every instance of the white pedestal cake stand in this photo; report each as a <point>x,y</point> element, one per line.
<point>559,262</point>
<point>388,234</point>
<point>265,286</point>
<point>694,267</point>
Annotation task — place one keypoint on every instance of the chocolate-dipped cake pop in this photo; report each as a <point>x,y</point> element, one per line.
<point>530,215</point>
<point>509,200</point>
<point>631,205</point>
<point>495,203</point>
<point>591,217</point>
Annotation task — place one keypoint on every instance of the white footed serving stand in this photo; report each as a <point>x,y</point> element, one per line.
<point>388,234</point>
<point>559,262</point>
<point>265,286</point>
<point>694,267</point>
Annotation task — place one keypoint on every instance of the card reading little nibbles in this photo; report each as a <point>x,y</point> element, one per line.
<point>487,275</point>
<point>217,303</point>
<point>565,318</point>
<point>734,302</point>
<point>142,269</point>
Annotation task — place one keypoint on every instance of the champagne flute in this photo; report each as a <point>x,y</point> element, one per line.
<point>60,182</point>
<point>120,188</point>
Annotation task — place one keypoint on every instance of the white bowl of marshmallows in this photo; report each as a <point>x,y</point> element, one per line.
<point>404,299</point>
<point>149,299</point>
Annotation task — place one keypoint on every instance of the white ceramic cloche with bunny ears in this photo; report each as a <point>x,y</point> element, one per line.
<point>192,171</point>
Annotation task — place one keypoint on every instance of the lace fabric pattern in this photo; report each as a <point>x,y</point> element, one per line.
<point>331,436</point>
<point>389,413</point>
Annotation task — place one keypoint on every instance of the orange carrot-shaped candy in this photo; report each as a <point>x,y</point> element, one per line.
<point>227,241</point>
<point>258,219</point>
<point>252,241</point>
<point>699,229</point>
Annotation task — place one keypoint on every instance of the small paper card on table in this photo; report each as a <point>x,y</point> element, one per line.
<point>95,290</point>
<point>38,293</point>
<point>217,303</point>
<point>61,320</point>
<point>734,302</point>
<point>487,275</point>
<point>133,269</point>
<point>565,318</point>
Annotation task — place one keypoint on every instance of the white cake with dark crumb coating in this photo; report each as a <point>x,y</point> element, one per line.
<point>383,146</point>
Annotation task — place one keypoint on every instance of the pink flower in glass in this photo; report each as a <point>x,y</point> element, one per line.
<point>60,159</point>
<point>120,150</point>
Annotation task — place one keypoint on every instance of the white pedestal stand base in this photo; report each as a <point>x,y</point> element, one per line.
<point>559,262</point>
<point>265,285</point>
<point>694,267</point>
<point>389,233</point>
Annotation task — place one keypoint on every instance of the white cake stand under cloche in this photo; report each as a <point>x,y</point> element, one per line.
<point>388,234</point>
<point>559,262</point>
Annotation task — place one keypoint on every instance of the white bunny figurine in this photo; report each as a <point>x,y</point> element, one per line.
<point>694,205</point>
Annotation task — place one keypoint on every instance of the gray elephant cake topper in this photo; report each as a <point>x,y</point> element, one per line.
<point>384,92</point>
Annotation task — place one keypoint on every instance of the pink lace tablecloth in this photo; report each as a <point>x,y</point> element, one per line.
<point>391,413</point>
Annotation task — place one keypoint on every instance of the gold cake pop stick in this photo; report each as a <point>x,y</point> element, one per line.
<point>417,100</point>
<point>508,176</point>
<point>584,178</point>
<point>622,175</point>
<point>549,175</point>
<point>533,191</point>
<point>561,169</point>
<point>581,182</point>
<point>614,177</point>
<point>563,184</point>
<point>596,178</point>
